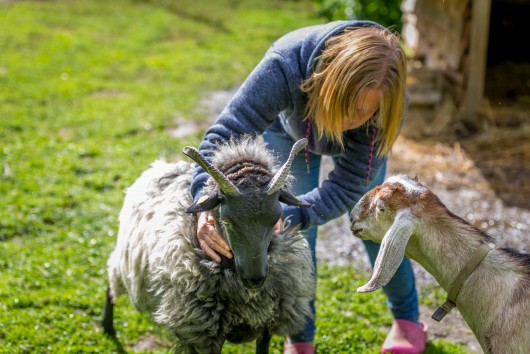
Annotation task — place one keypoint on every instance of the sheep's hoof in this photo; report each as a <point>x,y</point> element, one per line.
<point>107,320</point>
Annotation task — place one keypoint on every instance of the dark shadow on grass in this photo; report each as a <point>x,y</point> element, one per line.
<point>117,344</point>
<point>202,18</point>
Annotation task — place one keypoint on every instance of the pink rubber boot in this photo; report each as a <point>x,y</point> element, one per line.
<point>298,348</point>
<point>405,337</point>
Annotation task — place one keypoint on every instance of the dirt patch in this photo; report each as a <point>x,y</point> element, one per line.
<point>149,343</point>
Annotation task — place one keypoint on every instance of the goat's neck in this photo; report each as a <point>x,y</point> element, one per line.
<point>444,249</point>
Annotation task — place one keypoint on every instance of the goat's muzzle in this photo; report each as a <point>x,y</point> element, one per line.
<point>355,229</point>
<point>357,232</point>
<point>252,273</point>
<point>253,283</point>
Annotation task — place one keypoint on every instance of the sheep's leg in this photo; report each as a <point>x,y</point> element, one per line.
<point>263,342</point>
<point>107,320</point>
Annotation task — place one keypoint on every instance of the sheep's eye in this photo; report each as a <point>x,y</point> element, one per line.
<point>380,206</point>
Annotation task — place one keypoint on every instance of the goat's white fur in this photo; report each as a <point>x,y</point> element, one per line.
<point>494,300</point>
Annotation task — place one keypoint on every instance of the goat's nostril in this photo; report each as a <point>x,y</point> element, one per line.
<point>353,226</point>
<point>356,230</point>
<point>253,283</point>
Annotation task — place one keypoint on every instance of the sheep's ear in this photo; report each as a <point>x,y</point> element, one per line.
<point>391,252</point>
<point>289,199</point>
<point>206,202</point>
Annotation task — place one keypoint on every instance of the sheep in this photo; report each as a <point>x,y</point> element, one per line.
<point>489,285</point>
<point>264,290</point>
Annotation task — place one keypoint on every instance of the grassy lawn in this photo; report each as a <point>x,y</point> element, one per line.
<point>88,92</point>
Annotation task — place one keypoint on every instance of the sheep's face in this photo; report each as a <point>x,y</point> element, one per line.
<point>374,214</point>
<point>247,202</point>
<point>247,223</point>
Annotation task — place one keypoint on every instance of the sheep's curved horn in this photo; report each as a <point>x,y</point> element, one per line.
<point>391,252</point>
<point>224,183</point>
<point>280,177</point>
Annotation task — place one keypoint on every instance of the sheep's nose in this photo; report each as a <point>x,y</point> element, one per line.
<point>253,283</point>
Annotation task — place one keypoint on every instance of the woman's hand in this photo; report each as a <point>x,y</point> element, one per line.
<point>209,239</point>
<point>212,242</point>
<point>279,226</point>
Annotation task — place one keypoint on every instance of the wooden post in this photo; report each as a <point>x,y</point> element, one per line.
<point>480,19</point>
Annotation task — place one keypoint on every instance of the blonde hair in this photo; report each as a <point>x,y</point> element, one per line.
<point>355,60</point>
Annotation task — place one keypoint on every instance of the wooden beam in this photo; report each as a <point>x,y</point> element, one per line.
<point>478,51</point>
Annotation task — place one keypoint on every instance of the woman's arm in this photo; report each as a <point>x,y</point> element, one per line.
<point>263,95</point>
<point>345,185</point>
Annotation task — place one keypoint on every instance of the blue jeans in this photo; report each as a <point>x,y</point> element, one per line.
<point>400,291</point>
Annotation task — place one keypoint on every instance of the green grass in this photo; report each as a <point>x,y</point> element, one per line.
<point>88,92</point>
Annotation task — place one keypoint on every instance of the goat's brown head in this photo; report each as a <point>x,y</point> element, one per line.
<point>246,217</point>
<point>386,215</point>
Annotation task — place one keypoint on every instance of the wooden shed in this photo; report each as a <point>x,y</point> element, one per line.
<point>455,43</point>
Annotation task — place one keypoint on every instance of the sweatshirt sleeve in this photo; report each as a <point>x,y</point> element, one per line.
<point>264,94</point>
<point>345,185</point>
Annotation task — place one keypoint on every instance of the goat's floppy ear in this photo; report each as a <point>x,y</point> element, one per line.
<point>391,252</point>
<point>289,199</point>
<point>206,202</point>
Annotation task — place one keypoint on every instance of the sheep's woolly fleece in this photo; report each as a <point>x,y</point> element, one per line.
<point>158,262</point>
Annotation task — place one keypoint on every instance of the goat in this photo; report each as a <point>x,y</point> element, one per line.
<point>264,290</point>
<point>489,285</point>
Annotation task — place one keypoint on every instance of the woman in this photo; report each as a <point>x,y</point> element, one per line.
<point>342,86</point>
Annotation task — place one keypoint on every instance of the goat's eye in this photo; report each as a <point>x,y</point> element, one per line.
<point>225,222</point>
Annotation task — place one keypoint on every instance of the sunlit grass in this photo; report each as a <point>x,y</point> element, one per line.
<point>88,92</point>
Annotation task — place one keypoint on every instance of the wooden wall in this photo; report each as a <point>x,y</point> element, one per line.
<point>448,40</point>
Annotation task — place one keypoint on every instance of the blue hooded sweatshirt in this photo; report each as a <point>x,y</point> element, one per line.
<point>271,95</point>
